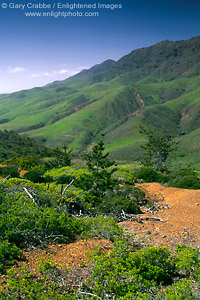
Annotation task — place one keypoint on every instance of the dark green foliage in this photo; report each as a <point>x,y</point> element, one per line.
<point>155,264</point>
<point>96,160</point>
<point>9,170</point>
<point>148,174</point>
<point>113,203</point>
<point>125,198</point>
<point>64,179</point>
<point>13,145</point>
<point>35,174</point>
<point>108,197</point>
<point>25,162</point>
<point>187,261</point>
<point>98,163</point>
<point>9,254</point>
<point>185,179</point>
<point>26,221</point>
<point>62,157</point>
<point>157,149</point>
<point>125,274</point>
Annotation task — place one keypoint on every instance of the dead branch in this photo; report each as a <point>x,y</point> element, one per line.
<point>67,186</point>
<point>29,194</point>
<point>90,294</point>
<point>6,178</point>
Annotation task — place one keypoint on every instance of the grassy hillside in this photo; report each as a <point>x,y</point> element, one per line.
<point>158,87</point>
<point>13,145</point>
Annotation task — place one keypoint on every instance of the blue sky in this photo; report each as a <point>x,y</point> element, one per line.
<point>37,50</point>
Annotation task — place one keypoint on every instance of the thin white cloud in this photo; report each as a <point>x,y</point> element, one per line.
<point>65,72</point>
<point>15,70</point>
<point>47,74</point>
<point>35,75</point>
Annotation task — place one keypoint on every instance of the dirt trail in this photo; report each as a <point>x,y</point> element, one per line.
<point>179,211</point>
<point>67,255</point>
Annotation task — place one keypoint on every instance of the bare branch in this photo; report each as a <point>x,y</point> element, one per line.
<point>84,192</point>
<point>6,178</point>
<point>67,186</point>
<point>90,294</point>
<point>29,194</point>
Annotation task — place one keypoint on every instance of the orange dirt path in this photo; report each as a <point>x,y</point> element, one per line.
<point>68,255</point>
<point>180,223</point>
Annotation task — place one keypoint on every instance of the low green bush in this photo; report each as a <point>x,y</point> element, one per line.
<point>187,261</point>
<point>26,221</point>
<point>113,203</point>
<point>148,174</point>
<point>122,273</point>
<point>35,174</point>
<point>9,254</point>
<point>185,179</point>
<point>99,227</point>
<point>182,290</point>
<point>24,284</point>
<point>9,170</point>
<point>123,175</point>
<point>24,162</point>
<point>125,274</point>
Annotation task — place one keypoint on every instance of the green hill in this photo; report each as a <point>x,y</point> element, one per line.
<point>14,145</point>
<point>158,87</point>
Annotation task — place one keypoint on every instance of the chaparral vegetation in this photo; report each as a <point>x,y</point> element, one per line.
<point>50,196</point>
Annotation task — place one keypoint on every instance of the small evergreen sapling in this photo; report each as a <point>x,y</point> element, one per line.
<point>98,163</point>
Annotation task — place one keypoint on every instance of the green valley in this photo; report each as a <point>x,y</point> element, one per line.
<point>157,87</point>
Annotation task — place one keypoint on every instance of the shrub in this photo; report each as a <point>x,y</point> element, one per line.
<point>23,284</point>
<point>155,264</point>
<point>185,179</point>
<point>113,203</point>
<point>24,163</point>
<point>123,175</point>
<point>99,227</point>
<point>148,174</point>
<point>187,260</point>
<point>124,273</point>
<point>9,254</point>
<point>27,222</point>
<point>9,170</point>
<point>35,174</point>
<point>182,290</point>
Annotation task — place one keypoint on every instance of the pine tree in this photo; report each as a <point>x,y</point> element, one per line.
<point>98,163</point>
<point>157,149</point>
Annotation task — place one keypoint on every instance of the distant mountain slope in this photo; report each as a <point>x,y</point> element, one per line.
<point>13,145</point>
<point>158,87</point>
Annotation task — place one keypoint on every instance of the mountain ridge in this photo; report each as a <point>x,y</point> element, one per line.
<point>157,86</point>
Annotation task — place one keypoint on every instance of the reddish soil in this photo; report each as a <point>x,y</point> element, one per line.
<point>67,255</point>
<point>22,172</point>
<point>179,222</point>
<point>179,213</point>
